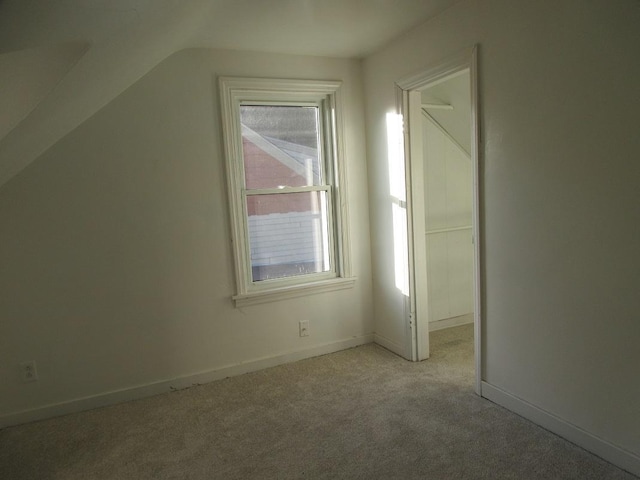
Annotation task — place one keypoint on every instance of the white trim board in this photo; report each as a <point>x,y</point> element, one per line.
<point>445,132</point>
<point>451,322</point>
<point>616,455</point>
<point>389,345</point>
<point>166,386</point>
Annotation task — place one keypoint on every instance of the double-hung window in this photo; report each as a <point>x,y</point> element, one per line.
<point>286,187</point>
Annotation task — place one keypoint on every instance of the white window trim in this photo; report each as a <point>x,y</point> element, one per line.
<point>233,91</point>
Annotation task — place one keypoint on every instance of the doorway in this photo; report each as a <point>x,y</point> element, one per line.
<point>439,108</point>
<point>448,186</point>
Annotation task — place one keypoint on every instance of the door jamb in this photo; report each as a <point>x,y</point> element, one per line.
<point>407,94</point>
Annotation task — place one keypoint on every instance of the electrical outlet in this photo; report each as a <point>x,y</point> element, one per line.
<point>304,328</point>
<point>28,371</point>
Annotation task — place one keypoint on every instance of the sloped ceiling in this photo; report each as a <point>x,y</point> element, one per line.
<point>456,92</point>
<point>27,76</point>
<point>129,37</point>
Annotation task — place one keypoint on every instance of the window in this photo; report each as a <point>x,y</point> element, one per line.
<point>286,178</point>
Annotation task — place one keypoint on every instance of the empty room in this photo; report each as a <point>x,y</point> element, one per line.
<point>319,239</point>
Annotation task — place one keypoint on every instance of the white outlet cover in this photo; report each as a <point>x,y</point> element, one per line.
<point>304,328</point>
<point>28,371</point>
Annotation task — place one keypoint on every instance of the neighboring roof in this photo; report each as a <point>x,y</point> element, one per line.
<point>293,156</point>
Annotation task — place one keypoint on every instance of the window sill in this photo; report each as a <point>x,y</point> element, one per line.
<point>292,291</point>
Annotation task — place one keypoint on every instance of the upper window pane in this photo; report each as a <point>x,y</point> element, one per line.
<point>280,146</point>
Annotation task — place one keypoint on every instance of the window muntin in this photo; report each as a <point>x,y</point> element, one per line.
<point>300,178</point>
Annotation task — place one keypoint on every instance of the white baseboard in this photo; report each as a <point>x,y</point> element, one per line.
<point>451,322</point>
<point>389,345</point>
<point>148,390</point>
<point>616,455</point>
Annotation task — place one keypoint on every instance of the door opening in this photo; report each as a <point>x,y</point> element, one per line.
<point>439,108</point>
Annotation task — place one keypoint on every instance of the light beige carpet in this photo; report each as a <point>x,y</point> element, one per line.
<point>362,413</point>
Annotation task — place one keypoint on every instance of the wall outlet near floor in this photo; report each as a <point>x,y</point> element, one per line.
<point>304,328</point>
<point>28,371</point>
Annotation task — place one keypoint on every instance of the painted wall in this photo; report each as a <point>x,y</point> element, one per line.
<point>115,253</point>
<point>560,199</point>
<point>448,189</point>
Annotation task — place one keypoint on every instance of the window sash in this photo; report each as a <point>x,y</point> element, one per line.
<point>324,156</point>
<point>267,284</point>
<point>273,191</point>
<point>330,238</point>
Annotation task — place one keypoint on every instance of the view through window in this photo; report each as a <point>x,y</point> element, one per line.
<point>285,191</point>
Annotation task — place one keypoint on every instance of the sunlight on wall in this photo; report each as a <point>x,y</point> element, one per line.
<point>400,254</point>
<point>398,195</point>
<point>395,155</point>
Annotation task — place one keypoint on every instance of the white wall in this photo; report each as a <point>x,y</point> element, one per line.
<point>448,204</point>
<point>560,200</point>
<point>115,245</point>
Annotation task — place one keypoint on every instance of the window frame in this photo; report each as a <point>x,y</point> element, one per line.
<point>236,91</point>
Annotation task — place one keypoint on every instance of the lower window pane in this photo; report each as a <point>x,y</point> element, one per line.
<point>288,234</point>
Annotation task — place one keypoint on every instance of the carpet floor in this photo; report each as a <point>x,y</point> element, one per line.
<point>362,413</point>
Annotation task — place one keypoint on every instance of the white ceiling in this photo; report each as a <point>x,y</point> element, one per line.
<point>342,28</point>
<point>124,39</point>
